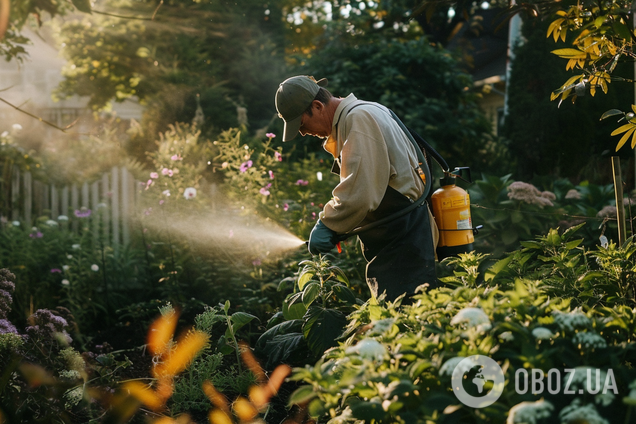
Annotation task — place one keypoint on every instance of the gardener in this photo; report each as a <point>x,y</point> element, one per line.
<point>379,176</point>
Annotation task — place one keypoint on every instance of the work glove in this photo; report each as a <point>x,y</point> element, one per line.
<point>322,239</point>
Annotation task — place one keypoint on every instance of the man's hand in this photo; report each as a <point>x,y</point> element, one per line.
<point>322,239</point>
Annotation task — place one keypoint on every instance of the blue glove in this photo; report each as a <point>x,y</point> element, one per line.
<point>322,239</point>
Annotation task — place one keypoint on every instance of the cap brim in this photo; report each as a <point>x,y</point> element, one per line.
<point>291,128</point>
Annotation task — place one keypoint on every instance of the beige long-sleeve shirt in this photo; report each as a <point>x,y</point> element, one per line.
<point>373,153</point>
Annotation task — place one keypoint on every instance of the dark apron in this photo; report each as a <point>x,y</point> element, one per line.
<point>400,253</point>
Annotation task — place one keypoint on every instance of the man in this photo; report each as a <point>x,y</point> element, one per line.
<point>379,176</point>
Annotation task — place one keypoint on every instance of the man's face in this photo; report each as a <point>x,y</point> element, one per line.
<point>318,124</point>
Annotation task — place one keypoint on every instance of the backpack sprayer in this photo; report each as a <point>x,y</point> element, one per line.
<point>450,203</point>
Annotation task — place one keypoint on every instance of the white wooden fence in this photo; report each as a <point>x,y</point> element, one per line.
<point>113,200</point>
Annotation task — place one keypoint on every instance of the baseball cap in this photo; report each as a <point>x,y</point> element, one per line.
<point>293,97</point>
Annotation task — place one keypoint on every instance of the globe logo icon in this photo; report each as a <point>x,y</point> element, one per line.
<point>478,381</point>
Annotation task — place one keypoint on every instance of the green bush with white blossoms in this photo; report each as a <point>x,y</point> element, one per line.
<point>565,360</point>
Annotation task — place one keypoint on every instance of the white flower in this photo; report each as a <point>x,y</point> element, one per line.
<point>530,412</point>
<point>586,378</point>
<point>588,341</point>
<point>542,333</point>
<point>4,134</point>
<point>319,176</point>
<point>573,194</point>
<point>94,267</point>
<point>577,413</point>
<point>65,282</point>
<point>473,317</point>
<point>75,247</point>
<point>65,267</point>
<point>166,193</point>
<point>368,349</point>
<point>101,205</point>
<point>62,218</point>
<point>16,127</point>
<point>190,193</point>
<point>571,320</point>
<point>51,223</point>
<point>69,256</point>
<point>34,229</point>
<point>15,223</point>
<point>507,336</point>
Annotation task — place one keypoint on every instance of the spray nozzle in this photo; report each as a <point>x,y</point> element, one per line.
<point>450,176</point>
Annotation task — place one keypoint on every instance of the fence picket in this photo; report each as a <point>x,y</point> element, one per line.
<point>113,201</point>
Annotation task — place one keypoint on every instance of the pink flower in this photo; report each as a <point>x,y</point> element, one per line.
<point>148,184</point>
<point>231,234</point>
<point>37,234</point>
<point>302,182</point>
<point>286,207</point>
<point>245,166</point>
<point>161,202</point>
<point>270,135</point>
<point>148,211</point>
<point>265,190</point>
<point>56,270</point>
<point>271,175</point>
<point>154,175</point>
<point>313,215</point>
<point>256,262</point>
<point>176,157</point>
<point>278,156</point>
<point>166,171</point>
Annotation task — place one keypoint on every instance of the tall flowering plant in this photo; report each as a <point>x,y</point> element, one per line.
<point>179,163</point>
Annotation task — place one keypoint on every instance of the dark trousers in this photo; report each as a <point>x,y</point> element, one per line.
<point>400,255</point>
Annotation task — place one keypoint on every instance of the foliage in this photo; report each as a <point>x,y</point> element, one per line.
<point>221,56</point>
<point>396,362</point>
<point>422,83</point>
<point>513,211</point>
<point>564,140</point>
<point>312,316</point>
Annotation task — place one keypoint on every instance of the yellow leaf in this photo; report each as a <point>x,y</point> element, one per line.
<point>634,139</point>
<point>219,417</point>
<point>144,394</point>
<point>623,128</point>
<point>634,108</point>
<point>244,409</point>
<point>183,354</point>
<point>216,397</point>
<point>569,53</point>
<point>161,332</point>
<point>624,139</point>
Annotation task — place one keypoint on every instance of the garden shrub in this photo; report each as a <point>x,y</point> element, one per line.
<point>395,362</point>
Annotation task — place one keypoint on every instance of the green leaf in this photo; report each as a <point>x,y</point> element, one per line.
<point>339,274</point>
<point>282,346</point>
<point>367,411</point>
<point>310,293</point>
<point>322,327</point>
<point>611,112</point>
<point>293,307</point>
<point>226,307</point>
<point>344,293</point>
<point>496,268</point>
<point>302,395</point>
<point>304,278</point>
<point>239,319</point>
<point>622,30</point>
<point>82,5</point>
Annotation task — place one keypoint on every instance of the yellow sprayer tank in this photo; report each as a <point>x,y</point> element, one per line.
<point>451,209</point>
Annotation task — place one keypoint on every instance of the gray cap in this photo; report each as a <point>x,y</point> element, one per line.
<point>293,97</point>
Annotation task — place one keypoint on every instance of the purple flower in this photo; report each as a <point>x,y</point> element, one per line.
<point>302,182</point>
<point>37,234</point>
<point>56,270</point>
<point>7,327</point>
<point>286,207</point>
<point>245,166</point>
<point>82,212</point>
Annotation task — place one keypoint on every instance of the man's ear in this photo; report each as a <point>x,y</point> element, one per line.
<point>318,105</point>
